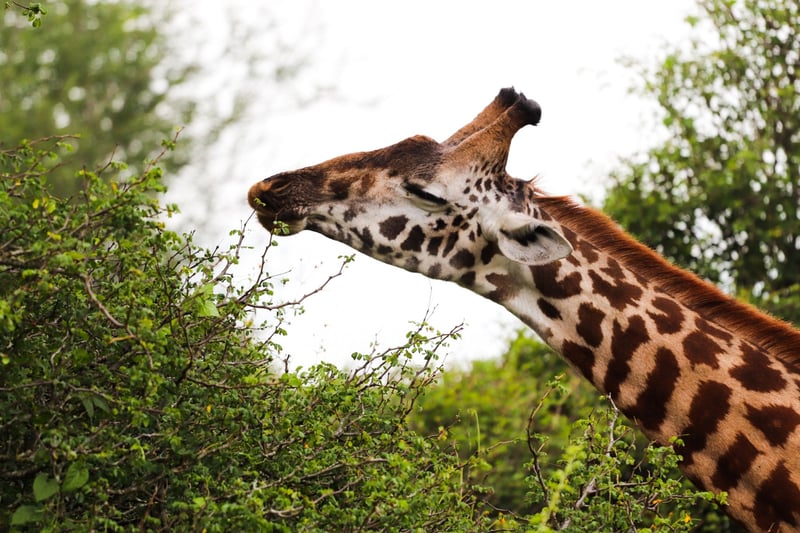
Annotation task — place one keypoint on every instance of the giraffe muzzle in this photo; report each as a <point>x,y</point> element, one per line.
<point>272,202</point>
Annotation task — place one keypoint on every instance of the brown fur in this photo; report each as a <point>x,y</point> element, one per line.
<point>776,337</point>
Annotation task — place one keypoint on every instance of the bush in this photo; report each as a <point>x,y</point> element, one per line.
<point>137,394</point>
<point>547,453</point>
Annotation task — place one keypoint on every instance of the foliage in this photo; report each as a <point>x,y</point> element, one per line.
<point>118,76</point>
<point>137,394</point>
<point>95,71</point>
<point>33,12</point>
<point>720,195</point>
<point>549,456</point>
<point>482,412</point>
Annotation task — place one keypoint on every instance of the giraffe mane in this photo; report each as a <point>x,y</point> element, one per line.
<point>778,338</point>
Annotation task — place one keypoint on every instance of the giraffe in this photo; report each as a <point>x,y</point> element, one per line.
<point>678,357</point>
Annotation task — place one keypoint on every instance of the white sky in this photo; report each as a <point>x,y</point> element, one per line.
<point>427,67</point>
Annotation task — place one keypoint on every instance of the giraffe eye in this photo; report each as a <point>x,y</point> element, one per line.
<point>424,199</point>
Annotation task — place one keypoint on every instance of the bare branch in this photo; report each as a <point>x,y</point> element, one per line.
<point>87,282</point>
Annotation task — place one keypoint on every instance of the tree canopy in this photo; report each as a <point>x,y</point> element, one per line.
<point>96,71</point>
<point>721,195</point>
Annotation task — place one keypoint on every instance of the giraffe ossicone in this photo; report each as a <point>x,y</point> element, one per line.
<point>679,357</point>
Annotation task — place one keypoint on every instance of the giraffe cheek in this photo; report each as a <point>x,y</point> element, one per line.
<point>393,226</point>
<point>414,240</point>
<point>462,259</point>
<point>467,279</point>
<point>435,271</point>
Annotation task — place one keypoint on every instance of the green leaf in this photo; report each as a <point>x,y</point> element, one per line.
<point>101,404</point>
<point>206,305</point>
<point>44,487</point>
<point>207,308</point>
<point>88,405</point>
<point>25,514</point>
<point>76,477</point>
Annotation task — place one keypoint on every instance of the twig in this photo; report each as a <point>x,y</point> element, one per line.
<point>591,487</point>
<point>535,452</point>
<point>302,298</point>
<point>87,282</point>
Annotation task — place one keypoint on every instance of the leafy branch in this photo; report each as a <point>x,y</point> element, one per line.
<point>34,12</point>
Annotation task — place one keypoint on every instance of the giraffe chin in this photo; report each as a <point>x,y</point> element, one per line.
<point>281,225</point>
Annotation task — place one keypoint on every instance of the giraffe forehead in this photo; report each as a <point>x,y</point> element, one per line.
<point>421,161</point>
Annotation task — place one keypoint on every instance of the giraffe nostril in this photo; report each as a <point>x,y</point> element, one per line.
<point>264,195</point>
<point>276,186</point>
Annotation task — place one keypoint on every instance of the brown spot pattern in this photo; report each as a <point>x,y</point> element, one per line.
<point>340,188</point>
<point>590,321</point>
<point>612,269</point>
<point>776,422</point>
<point>349,214</point>
<point>488,252</point>
<point>733,464</point>
<point>580,356</point>
<point>544,277</point>
<point>776,500</point>
<point>414,240</point>
<point>506,288</point>
<point>365,236</point>
<point>669,317</point>
<point>393,226</point>
<point>651,405</point>
<point>619,294</point>
<point>701,350</point>
<point>624,342</point>
<point>451,242</point>
<point>709,406</point>
<point>433,245</point>
<point>549,310</point>
<point>467,279</point>
<point>462,259</point>
<point>367,182</point>
<point>586,250</point>
<point>706,327</point>
<point>756,374</point>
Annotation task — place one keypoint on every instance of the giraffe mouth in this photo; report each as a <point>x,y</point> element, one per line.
<point>281,223</point>
<point>273,212</point>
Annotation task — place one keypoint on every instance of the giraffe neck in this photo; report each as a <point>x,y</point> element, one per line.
<point>678,357</point>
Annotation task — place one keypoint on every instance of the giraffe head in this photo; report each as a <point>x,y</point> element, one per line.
<point>441,209</point>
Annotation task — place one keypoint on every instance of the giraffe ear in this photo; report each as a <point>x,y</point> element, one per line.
<point>532,242</point>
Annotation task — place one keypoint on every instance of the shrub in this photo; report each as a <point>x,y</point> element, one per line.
<point>136,392</point>
<point>546,453</point>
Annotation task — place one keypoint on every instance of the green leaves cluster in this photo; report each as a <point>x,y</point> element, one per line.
<point>100,72</point>
<point>720,195</point>
<point>137,393</point>
<point>546,454</point>
<point>34,11</point>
